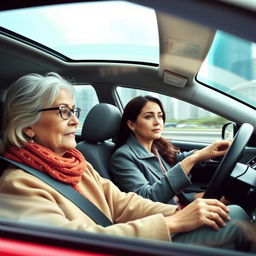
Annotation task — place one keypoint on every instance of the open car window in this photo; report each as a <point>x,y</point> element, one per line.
<point>86,98</point>
<point>184,121</point>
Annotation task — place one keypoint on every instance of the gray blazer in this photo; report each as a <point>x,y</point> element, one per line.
<point>135,169</point>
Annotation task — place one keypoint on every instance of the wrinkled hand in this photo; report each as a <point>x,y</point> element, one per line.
<point>216,149</point>
<point>200,212</point>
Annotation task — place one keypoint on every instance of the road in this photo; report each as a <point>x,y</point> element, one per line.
<point>193,135</point>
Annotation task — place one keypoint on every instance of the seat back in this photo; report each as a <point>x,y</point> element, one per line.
<point>1,119</point>
<point>101,125</point>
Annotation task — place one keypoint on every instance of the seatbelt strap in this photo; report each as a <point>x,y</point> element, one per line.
<point>79,200</point>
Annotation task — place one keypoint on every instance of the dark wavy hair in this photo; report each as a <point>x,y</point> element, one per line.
<point>133,108</point>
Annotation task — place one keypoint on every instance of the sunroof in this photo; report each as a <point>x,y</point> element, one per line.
<point>111,30</point>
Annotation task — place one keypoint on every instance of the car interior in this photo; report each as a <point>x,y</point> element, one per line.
<point>186,30</point>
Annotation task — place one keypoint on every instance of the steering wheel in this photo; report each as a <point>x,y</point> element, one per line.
<point>217,183</point>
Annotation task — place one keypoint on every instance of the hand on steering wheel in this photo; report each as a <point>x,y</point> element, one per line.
<point>216,185</point>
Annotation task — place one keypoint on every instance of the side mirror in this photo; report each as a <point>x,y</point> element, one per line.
<point>229,130</point>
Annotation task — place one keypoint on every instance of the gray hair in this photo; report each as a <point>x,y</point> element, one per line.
<point>23,100</point>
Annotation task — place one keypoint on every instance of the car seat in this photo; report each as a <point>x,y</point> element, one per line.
<point>100,126</point>
<point>1,119</point>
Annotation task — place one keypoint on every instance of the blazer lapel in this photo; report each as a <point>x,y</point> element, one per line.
<point>149,160</point>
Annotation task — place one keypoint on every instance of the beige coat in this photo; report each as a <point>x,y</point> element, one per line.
<point>24,197</point>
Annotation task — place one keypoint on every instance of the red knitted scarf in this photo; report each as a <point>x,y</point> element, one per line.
<point>67,168</point>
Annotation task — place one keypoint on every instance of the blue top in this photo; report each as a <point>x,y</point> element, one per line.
<point>135,169</point>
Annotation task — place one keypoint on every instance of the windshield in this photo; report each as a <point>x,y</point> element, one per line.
<point>90,31</point>
<point>231,67</point>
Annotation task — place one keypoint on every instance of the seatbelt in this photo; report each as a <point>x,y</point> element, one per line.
<point>74,196</point>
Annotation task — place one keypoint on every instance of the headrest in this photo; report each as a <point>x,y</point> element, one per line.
<point>101,123</point>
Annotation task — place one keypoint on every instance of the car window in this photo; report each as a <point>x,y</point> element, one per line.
<point>184,121</point>
<point>86,98</point>
<point>230,67</point>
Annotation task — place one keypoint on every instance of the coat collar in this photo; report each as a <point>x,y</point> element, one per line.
<point>138,149</point>
<point>152,162</point>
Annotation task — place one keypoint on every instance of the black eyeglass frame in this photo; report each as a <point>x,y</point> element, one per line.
<point>72,110</point>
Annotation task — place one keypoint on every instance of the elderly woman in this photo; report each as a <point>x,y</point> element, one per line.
<point>40,121</point>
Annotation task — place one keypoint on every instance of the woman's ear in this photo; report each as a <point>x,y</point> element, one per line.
<point>29,132</point>
<point>131,125</point>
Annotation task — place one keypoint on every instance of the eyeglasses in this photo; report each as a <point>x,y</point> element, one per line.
<point>65,111</point>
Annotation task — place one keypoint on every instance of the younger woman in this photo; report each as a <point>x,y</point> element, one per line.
<point>146,163</point>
